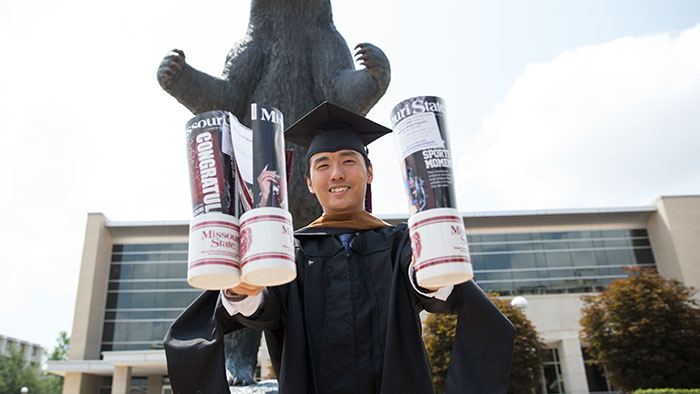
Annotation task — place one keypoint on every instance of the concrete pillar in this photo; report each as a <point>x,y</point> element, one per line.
<point>154,384</point>
<point>121,380</point>
<point>92,287</point>
<point>572,368</point>
<point>80,383</point>
<point>673,231</point>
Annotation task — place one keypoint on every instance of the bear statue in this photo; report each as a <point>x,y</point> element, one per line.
<point>293,58</point>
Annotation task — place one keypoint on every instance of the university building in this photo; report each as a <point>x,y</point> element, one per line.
<point>133,285</point>
<point>31,352</point>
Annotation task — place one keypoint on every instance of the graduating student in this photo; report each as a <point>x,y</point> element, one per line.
<point>349,322</point>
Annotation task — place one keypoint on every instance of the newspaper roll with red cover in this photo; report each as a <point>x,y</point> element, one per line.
<point>438,239</point>
<point>267,239</point>
<point>213,254</point>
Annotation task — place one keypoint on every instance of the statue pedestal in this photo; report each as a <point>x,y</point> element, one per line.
<point>264,387</point>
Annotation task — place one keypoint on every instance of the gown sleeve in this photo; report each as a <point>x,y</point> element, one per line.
<point>481,355</point>
<point>194,347</point>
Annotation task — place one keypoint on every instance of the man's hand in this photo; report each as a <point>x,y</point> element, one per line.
<point>171,66</point>
<point>247,289</point>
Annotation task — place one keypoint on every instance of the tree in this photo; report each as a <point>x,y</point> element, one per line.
<point>53,384</point>
<point>16,373</point>
<point>528,349</point>
<point>645,331</point>
<point>60,352</point>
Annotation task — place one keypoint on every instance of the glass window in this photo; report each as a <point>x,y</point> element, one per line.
<point>556,235</point>
<point>521,246</point>
<point>617,243</point>
<point>496,261</point>
<point>643,256</point>
<point>558,259</point>
<point>540,260</point>
<point>555,245</point>
<point>638,233</point>
<point>586,258</point>
<point>519,237</point>
<point>551,373</point>
<point>490,248</point>
<point>149,285</point>
<point>614,233</point>
<point>640,242</point>
<point>580,244</point>
<point>499,276</point>
<point>139,257</point>
<point>600,257</point>
<point>619,257</point>
<point>139,310</point>
<point>526,274</point>
<point>105,385</point>
<point>477,262</point>
<point>595,375</point>
<point>138,385</point>
<point>150,247</point>
<point>522,260</point>
<point>493,238</point>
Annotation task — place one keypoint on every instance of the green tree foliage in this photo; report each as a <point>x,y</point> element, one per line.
<point>528,349</point>
<point>16,373</point>
<point>60,352</point>
<point>645,330</point>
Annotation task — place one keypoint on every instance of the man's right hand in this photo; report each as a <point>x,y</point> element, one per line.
<point>247,289</point>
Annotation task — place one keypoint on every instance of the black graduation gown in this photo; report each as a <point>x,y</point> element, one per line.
<point>348,324</point>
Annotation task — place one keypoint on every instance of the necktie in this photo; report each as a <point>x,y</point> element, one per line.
<point>346,239</point>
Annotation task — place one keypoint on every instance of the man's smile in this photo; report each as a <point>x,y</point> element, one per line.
<point>339,189</point>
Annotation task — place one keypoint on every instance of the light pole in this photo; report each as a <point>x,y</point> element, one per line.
<point>519,302</point>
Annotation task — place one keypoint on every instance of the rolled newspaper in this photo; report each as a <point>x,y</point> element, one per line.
<point>213,253</point>
<point>438,239</point>
<point>267,239</point>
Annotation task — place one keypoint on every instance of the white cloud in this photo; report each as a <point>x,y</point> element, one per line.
<point>606,125</point>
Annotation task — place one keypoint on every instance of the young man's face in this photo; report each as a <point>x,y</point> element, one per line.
<point>339,180</point>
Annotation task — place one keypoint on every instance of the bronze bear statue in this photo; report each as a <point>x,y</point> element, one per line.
<point>293,58</point>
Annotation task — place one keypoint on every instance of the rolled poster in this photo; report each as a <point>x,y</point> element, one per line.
<point>267,240</point>
<point>438,238</point>
<point>213,252</point>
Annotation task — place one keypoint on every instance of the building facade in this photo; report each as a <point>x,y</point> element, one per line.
<point>31,352</point>
<point>133,284</point>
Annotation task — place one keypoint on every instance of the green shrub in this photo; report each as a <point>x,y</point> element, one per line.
<point>644,331</point>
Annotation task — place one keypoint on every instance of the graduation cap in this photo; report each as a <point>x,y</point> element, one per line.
<point>330,128</point>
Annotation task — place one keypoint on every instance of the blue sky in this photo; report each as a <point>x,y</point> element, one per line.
<point>551,104</point>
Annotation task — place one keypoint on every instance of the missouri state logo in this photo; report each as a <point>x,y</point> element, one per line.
<point>416,245</point>
<point>246,240</point>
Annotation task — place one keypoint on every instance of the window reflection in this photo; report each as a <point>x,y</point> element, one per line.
<point>147,290</point>
<point>557,262</point>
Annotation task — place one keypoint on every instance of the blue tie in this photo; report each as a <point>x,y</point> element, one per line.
<point>346,239</point>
